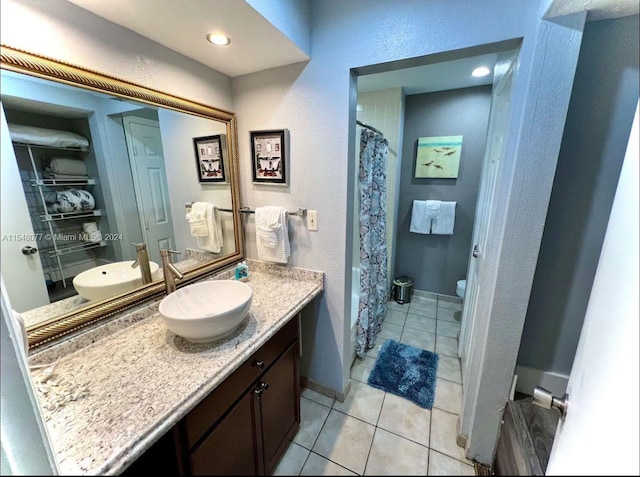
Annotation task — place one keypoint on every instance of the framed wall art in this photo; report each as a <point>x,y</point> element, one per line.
<point>438,157</point>
<point>210,158</point>
<point>269,156</point>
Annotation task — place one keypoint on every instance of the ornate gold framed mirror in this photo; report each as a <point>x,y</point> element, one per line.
<point>40,245</point>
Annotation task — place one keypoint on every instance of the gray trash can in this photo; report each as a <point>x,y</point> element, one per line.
<point>402,289</point>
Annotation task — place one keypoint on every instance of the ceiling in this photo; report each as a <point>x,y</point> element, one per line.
<point>433,77</point>
<point>182,25</point>
<point>597,9</point>
<point>256,44</point>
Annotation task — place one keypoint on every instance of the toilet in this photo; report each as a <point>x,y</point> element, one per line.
<point>461,288</point>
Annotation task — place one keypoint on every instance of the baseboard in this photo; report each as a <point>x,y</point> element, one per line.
<point>529,378</point>
<point>325,390</point>
<point>436,296</point>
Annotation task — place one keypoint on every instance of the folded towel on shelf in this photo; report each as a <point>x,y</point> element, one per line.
<point>443,225</point>
<point>213,241</point>
<point>420,222</point>
<point>51,175</point>
<point>46,137</point>
<point>67,166</point>
<point>272,234</point>
<point>197,218</point>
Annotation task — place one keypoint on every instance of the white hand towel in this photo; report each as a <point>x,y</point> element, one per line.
<point>443,225</point>
<point>420,224</point>
<point>213,241</point>
<point>272,234</point>
<point>197,219</point>
<point>432,209</point>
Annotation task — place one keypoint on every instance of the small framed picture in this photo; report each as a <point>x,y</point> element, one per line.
<point>210,158</point>
<point>269,156</point>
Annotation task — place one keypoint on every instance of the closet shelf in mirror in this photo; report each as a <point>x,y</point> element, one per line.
<point>58,148</point>
<point>73,247</point>
<point>62,182</point>
<point>70,215</point>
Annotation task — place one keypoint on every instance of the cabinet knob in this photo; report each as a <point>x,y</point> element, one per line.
<point>29,250</point>
<point>260,364</point>
<point>264,386</point>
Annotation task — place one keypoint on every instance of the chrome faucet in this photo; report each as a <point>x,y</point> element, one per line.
<point>169,270</point>
<point>143,262</point>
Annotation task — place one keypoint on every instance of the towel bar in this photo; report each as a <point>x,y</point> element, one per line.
<point>299,213</point>
<point>247,210</point>
<point>189,204</point>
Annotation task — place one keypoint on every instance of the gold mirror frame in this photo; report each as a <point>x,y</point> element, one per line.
<point>21,61</point>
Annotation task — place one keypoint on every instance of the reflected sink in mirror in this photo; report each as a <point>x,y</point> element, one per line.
<point>111,279</point>
<point>206,311</point>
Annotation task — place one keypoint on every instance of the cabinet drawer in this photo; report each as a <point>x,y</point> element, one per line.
<point>213,407</point>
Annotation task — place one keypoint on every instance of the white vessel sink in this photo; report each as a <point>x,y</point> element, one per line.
<point>111,279</point>
<point>206,311</point>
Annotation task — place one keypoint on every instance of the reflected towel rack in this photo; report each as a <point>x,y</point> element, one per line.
<point>299,213</point>
<point>247,210</point>
<point>189,204</point>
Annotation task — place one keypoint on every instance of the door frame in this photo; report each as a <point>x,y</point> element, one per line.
<point>541,92</point>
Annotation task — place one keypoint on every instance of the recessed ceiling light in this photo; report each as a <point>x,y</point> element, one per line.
<point>480,71</point>
<point>218,39</point>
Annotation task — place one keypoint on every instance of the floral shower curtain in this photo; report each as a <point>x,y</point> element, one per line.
<point>373,242</point>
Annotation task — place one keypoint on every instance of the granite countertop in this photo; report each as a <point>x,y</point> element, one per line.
<point>142,379</point>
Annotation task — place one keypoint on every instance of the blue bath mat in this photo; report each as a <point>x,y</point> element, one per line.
<point>406,371</point>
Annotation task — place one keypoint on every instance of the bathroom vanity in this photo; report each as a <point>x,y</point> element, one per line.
<point>159,402</point>
<point>244,426</point>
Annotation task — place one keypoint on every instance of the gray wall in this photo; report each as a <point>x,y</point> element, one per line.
<point>599,120</point>
<point>437,262</point>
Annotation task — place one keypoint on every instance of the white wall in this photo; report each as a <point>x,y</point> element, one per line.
<point>25,443</point>
<point>291,17</point>
<point>182,174</point>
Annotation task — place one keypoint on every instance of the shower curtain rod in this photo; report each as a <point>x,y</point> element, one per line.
<point>369,127</point>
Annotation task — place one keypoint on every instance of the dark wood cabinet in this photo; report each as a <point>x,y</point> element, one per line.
<point>279,407</point>
<point>244,426</point>
<point>231,448</point>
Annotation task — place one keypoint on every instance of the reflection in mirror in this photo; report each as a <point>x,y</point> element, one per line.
<point>86,176</point>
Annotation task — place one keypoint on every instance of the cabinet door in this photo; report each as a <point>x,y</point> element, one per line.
<point>279,405</point>
<point>231,448</point>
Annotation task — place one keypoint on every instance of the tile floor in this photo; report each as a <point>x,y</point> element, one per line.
<point>378,433</point>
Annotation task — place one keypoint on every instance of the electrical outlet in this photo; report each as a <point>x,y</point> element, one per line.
<point>312,220</point>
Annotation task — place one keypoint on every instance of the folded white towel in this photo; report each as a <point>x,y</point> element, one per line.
<point>213,241</point>
<point>272,234</point>
<point>420,223</point>
<point>197,219</point>
<point>443,225</point>
<point>432,209</point>
<point>46,137</point>
<point>67,166</point>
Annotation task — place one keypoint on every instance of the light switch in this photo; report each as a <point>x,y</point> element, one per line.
<point>312,220</point>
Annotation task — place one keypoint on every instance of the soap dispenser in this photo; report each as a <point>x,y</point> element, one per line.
<point>242,271</point>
